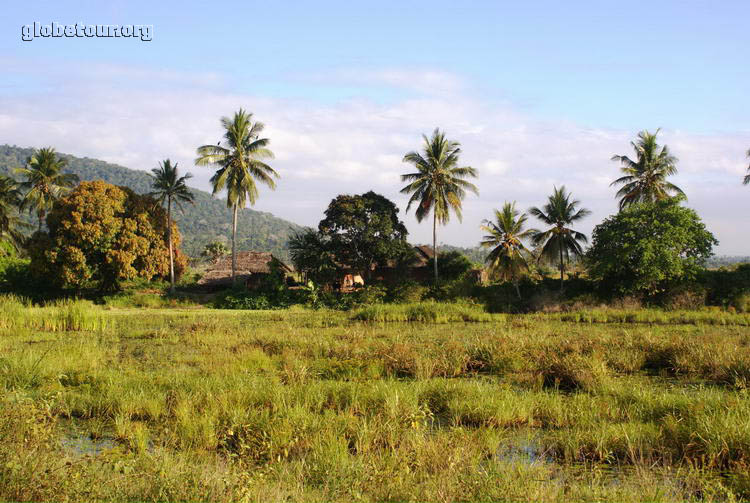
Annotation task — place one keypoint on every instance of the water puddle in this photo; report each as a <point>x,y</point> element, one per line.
<point>84,445</point>
<point>79,442</point>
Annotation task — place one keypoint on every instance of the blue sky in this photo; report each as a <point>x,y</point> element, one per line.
<point>539,93</point>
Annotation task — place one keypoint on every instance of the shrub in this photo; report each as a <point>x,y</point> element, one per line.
<point>407,291</point>
<point>684,297</point>
<point>572,372</point>
<point>370,294</point>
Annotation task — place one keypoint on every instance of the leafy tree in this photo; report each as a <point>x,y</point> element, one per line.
<point>100,235</point>
<point>452,264</point>
<point>310,252</point>
<point>648,246</point>
<point>363,230</point>
<point>559,242</point>
<point>746,180</point>
<point>439,183</point>
<point>645,179</point>
<point>240,163</point>
<point>44,182</point>
<point>10,201</point>
<point>214,251</point>
<point>505,237</point>
<point>170,187</point>
<point>200,224</point>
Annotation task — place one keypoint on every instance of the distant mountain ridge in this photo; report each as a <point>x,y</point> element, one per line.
<point>206,221</point>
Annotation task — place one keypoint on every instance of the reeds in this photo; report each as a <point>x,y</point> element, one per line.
<point>231,406</point>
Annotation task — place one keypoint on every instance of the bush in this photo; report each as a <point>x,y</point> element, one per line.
<point>241,298</point>
<point>572,372</point>
<point>368,295</point>
<point>684,297</point>
<point>407,291</point>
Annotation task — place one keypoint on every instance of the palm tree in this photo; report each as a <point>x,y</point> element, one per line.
<point>10,201</point>
<point>505,236</point>
<point>438,185</point>
<point>170,187</point>
<point>45,182</point>
<point>559,241</point>
<point>746,180</point>
<point>645,180</point>
<point>309,252</point>
<point>240,163</point>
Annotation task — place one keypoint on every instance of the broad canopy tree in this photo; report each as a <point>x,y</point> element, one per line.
<point>649,246</point>
<point>100,235</point>
<point>364,230</point>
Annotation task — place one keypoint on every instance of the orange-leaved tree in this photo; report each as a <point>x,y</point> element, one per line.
<point>101,235</point>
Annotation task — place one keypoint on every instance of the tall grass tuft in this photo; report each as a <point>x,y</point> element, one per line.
<point>58,316</point>
<point>426,312</point>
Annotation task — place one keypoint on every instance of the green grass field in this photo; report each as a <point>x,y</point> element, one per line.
<point>374,405</point>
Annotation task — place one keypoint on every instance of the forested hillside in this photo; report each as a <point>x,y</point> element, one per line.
<point>208,220</point>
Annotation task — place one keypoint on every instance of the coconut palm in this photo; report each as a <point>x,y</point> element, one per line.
<point>439,183</point>
<point>746,180</point>
<point>44,182</point>
<point>171,188</point>
<point>240,164</point>
<point>10,201</point>
<point>505,236</point>
<point>559,241</point>
<point>645,179</point>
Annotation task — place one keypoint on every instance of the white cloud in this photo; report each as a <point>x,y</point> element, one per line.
<point>356,145</point>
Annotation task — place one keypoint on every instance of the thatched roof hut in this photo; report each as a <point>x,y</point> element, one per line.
<point>251,267</point>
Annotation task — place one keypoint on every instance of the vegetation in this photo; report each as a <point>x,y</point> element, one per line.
<point>560,241</point>
<point>645,179</point>
<point>215,251</point>
<point>310,254</point>
<point>240,164</point>
<point>11,199</point>
<point>362,231</point>
<point>629,385</point>
<point>313,406</point>
<point>648,247</point>
<point>171,188</point>
<point>452,264</point>
<point>439,183</point>
<point>746,180</point>
<point>100,235</point>
<point>505,237</point>
<point>44,182</point>
<point>201,223</point>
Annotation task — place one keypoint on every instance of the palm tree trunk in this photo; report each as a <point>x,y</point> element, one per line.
<point>434,243</point>
<point>518,290</point>
<point>562,269</point>
<point>169,236</point>
<point>41,219</point>
<point>234,245</point>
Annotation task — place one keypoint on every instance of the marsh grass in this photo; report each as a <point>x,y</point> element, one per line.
<point>312,406</point>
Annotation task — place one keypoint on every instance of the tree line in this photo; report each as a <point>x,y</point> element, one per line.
<point>436,188</point>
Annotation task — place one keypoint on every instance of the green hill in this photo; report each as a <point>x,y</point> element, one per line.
<point>208,220</point>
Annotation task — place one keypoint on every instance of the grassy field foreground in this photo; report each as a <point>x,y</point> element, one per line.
<point>199,405</point>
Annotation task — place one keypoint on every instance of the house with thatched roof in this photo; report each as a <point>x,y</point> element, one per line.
<point>252,268</point>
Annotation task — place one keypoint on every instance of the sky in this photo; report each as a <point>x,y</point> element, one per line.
<point>539,94</point>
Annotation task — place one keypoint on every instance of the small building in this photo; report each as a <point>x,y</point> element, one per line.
<point>252,268</point>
